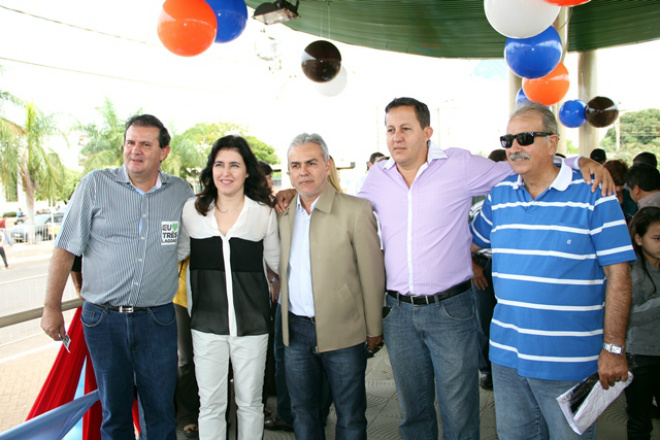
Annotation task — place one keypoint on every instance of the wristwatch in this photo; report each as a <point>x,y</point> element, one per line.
<point>614,349</point>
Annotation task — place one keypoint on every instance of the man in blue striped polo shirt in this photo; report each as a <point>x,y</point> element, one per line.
<point>125,222</point>
<point>554,243</point>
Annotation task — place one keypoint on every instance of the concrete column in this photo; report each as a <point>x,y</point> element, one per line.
<point>587,89</point>
<point>561,26</point>
<point>515,83</point>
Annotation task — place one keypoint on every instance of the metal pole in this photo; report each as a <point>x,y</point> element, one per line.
<point>28,315</point>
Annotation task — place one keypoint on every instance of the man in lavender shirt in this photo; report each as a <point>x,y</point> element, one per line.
<point>422,196</point>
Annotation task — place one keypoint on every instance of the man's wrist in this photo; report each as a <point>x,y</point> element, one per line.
<point>614,349</point>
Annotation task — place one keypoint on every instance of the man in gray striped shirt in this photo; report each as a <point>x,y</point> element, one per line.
<point>125,222</point>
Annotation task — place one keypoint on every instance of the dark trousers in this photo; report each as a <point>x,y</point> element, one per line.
<point>640,393</point>
<point>283,399</point>
<point>186,397</point>
<point>4,257</point>
<point>344,368</point>
<point>485,304</point>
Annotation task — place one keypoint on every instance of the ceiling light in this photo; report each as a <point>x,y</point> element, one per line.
<point>276,12</point>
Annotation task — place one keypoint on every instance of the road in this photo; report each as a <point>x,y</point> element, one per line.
<point>23,287</point>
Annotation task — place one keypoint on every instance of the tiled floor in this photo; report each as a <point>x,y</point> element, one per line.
<point>23,374</point>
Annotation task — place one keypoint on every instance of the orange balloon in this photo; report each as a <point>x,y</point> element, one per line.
<point>187,27</point>
<point>549,89</point>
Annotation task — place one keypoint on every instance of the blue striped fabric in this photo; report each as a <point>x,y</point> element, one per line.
<point>128,240</point>
<point>548,255</point>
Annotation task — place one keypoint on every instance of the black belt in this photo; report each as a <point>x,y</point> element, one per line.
<point>423,300</point>
<point>123,309</point>
<point>312,319</point>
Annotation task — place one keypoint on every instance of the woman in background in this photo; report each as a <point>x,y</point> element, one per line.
<point>643,336</point>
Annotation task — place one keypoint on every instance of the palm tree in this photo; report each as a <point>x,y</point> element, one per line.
<point>25,158</point>
<point>103,146</point>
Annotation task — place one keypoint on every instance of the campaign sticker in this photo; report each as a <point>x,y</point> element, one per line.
<point>169,233</point>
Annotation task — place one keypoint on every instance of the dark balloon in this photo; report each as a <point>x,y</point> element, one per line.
<point>601,112</point>
<point>321,61</point>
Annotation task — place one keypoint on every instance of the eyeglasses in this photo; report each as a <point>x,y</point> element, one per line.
<point>524,138</point>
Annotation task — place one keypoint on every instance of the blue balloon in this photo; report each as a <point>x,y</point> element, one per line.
<point>521,97</point>
<point>532,57</point>
<point>571,113</point>
<point>232,17</point>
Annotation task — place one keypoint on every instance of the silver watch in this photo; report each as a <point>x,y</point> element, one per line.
<point>614,349</point>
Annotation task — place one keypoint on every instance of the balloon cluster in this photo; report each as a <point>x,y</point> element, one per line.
<point>599,112</point>
<point>533,49</point>
<point>189,27</point>
<point>321,63</point>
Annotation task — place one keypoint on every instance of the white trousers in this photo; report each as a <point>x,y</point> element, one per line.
<point>248,358</point>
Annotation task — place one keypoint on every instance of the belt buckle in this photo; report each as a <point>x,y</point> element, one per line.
<point>125,309</point>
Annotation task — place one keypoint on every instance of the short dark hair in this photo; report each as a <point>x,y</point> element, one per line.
<point>256,186</point>
<point>498,155</point>
<point>617,169</point>
<point>374,156</point>
<point>646,158</point>
<point>145,120</point>
<point>598,154</point>
<point>267,169</point>
<point>421,110</point>
<point>644,176</point>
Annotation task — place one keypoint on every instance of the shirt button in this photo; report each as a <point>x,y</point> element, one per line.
<point>141,238</point>
<point>144,215</point>
<point>136,283</point>
<point>139,260</point>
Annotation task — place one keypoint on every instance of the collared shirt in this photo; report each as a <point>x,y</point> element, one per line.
<point>128,239</point>
<point>301,294</point>
<point>652,199</point>
<point>548,259</point>
<point>425,231</point>
<point>227,274</point>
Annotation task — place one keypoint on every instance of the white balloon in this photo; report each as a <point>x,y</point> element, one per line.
<point>334,87</point>
<point>520,18</point>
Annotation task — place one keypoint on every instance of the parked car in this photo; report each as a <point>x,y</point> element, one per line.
<point>46,227</point>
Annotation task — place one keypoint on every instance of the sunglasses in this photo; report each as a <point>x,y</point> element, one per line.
<point>524,138</point>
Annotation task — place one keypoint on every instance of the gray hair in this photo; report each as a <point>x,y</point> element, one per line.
<point>305,138</point>
<point>547,117</point>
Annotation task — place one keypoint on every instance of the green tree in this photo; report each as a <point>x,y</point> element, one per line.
<point>102,148</point>
<point>639,131</point>
<point>9,138</point>
<point>27,159</point>
<point>262,150</point>
<point>201,136</point>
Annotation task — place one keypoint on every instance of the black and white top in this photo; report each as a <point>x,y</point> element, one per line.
<point>227,285</point>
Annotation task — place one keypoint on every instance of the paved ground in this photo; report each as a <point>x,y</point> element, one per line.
<point>25,365</point>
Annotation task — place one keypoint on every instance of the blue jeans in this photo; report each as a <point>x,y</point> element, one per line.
<point>485,304</point>
<point>527,408</point>
<point>128,351</point>
<point>345,369</point>
<point>433,348</point>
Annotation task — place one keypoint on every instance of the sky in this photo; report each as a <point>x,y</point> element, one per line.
<point>69,71</point>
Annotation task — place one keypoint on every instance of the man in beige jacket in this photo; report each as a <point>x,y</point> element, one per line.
<point>333,284</point>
